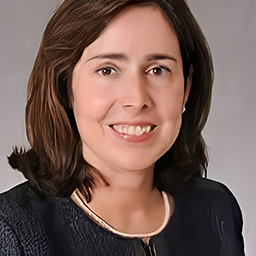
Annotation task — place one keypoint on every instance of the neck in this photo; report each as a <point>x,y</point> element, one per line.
<point>128,201</point>
<point>119,186</point>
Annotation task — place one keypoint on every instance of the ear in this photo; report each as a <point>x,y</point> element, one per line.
<point>188,85</point>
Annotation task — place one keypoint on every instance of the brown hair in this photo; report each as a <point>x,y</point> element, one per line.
<point>54,165</point>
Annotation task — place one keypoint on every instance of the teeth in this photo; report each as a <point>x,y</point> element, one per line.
<point>147,129</point>
<point>124,129</point>
<point>138,131</point>
<point>118,128</point>
<point>132,130</point>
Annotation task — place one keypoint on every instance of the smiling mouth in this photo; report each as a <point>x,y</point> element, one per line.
<point>133,130</point>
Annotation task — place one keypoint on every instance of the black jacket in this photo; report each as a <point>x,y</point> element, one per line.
<point>207,222</point>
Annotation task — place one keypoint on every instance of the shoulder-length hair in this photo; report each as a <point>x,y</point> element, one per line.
<point>54,165</point>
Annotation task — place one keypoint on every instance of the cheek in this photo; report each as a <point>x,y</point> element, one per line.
<point>90,101</point>
<point>170,105</point>
<point>88,110</point>
<point>171,130</point>
<point>170,110</point>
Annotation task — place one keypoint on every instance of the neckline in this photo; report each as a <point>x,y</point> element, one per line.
<point>79,199</point>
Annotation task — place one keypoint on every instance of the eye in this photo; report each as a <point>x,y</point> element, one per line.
<point>158,70</point>
<point>106,71</point>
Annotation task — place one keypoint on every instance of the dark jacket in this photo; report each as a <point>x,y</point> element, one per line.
<point>207,222</point>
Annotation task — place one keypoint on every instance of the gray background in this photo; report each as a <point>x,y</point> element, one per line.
<point>230,27</point>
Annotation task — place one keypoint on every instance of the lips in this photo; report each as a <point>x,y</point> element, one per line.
<point>133,130</point>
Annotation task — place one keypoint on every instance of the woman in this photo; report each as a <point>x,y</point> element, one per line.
<point>117,99</point>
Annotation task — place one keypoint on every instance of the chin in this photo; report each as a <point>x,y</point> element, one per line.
<point>137,163</point>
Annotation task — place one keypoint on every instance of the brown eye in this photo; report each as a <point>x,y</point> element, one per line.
<point>106,71</point>
<point>158,70</point>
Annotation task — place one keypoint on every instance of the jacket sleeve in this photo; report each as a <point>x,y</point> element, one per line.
<point>224,214</point>
<point>230,224</point>
<point>9,244</point>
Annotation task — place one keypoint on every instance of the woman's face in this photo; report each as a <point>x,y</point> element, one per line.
<point>128,92</point>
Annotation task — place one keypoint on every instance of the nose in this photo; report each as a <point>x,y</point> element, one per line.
<point>136,95</point>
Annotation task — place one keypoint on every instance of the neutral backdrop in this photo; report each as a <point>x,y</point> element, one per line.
<point>230,27</point>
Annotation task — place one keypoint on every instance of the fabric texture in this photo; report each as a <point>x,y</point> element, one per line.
<point>207,221</point>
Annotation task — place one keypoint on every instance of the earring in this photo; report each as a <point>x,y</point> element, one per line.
<point>184,109</point>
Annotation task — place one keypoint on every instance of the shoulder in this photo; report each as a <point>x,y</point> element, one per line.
<point>207,191</point>
<point>210,185</point>
<point>15,191</point>
<point>17,201</point>
<point>11,210</point>
<point>24,218</point>
<point>17,212</point>
<point>24,199</point>
<point>213,196</point>
<point>14,200</point>
<point>210,208</point>
<point>210,200</point>
<point>21,204</point>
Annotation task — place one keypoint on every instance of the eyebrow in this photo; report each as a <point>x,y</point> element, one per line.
<point>161,57</point>
<point>122,57</point>
<point>112,56</point>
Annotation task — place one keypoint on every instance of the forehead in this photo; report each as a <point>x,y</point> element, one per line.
<point>135,30</point>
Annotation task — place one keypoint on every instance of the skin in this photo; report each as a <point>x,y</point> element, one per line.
<point>131,75</point>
